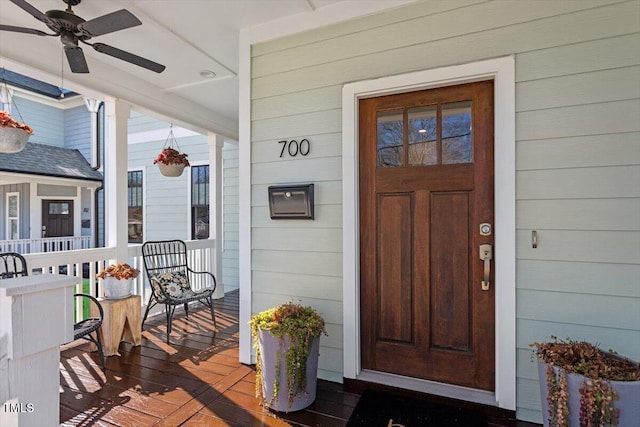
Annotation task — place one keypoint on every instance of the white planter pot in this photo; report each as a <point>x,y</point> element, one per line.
<point>269,349</point>
<point>628,402</point>
<point>12,140</point>
<point>170,170</point>
<point>116,288</point>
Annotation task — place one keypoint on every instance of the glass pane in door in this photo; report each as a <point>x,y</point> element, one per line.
<point>390,138</point>
<point>457,141</point>
<point>423,135</point>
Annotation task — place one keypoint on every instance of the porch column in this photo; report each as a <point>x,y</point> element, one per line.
<point>115,177</point>
<point>216,142</point>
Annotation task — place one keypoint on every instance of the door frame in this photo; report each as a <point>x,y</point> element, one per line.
<point>502,71</point>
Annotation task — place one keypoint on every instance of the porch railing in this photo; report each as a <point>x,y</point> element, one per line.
<point>46,244</point>
<point>86,263</point>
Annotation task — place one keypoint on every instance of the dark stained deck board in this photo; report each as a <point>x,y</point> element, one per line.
<point>196,380</point>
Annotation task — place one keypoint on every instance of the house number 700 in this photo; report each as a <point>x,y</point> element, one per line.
<point>294,147</point>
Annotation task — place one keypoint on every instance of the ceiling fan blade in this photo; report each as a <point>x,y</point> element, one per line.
<point>114,21</point>
<point>129,57</point>
<point>24,30</point>
<point>32,10</point>
<point>75,56</point>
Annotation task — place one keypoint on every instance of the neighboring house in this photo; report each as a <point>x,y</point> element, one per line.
<point>47,191</point>
<point>50,189</point>
<point>566,163</point>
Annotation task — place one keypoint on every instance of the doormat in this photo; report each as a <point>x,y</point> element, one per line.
<point>381,409</point>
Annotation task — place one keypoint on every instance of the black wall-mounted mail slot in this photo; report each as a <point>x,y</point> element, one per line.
<point>291,201</point>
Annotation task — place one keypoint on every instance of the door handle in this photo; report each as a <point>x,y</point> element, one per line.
<point>486,253</point>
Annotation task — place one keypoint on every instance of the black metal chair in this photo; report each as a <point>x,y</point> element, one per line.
<point>87,329</point>
<point>169,274</point>
<point>12,265</point>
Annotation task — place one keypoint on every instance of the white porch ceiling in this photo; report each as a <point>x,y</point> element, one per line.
<point>188,36</point>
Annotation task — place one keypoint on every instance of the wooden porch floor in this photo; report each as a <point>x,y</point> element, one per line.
<point>194,381</point>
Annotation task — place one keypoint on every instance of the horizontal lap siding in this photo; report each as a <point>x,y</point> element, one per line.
<point>77,130</point>
<point>166,199</point>
<point>577,158</point>
<point>230,272</point>
<point>46,121</point>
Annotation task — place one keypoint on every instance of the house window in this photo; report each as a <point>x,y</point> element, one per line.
<point>13,216</point>
<point>200,202</point>
<point>134,203</point>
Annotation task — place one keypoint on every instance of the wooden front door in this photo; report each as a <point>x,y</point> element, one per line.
<point>426,190</point>
<point>57,218</point>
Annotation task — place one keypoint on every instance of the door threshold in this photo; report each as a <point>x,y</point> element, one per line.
<point>449,391</point>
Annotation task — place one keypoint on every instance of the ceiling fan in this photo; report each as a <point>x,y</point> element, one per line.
<point>73,29</point>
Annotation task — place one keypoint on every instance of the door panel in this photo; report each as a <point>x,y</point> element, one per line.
<point>426,183</point>
<point>394,250</point>
<point>57,218</point>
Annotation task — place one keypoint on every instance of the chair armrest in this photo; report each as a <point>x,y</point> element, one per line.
<point>215,283</point>
<point>94,300</point>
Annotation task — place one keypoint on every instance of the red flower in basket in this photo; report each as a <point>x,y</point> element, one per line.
<point>169,156</point>
<point>6,121</point>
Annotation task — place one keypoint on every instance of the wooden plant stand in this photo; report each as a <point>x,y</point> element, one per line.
<point>121,323</point>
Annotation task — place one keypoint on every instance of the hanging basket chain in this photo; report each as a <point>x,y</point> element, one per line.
<point>9,97</point>
<point>171,141</point>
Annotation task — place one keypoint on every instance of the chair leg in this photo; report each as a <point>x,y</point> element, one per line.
<point>169,317</point>
<point>213,314</point>
<point>186,309</point>
<point>100,352</point>
<point>150,304</point>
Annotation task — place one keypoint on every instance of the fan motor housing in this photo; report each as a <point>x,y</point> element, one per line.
<point>64,20</point>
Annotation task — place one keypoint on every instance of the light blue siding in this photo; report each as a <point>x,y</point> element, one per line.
<point>577,157</point>
<point>46,121</point>
<point>77,130</point>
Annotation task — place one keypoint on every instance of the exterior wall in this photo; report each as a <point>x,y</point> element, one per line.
<point>77,130</point>
<point>167,201</point>
<point>46,121</point>
<point>577,159</point>
<point>230,226</point>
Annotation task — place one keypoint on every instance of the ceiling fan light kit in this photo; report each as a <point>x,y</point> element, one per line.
<point>72,30</point>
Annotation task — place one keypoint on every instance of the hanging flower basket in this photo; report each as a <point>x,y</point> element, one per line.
<point>171,161</point>
<point>13,134</point>
<point>171,170</point>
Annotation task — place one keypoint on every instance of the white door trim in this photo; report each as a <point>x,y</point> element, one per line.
<point>502,71</point>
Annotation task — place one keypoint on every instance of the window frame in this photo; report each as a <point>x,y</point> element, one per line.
<point>9,219</point>
<point>192,206</point>
<point>141,205</point>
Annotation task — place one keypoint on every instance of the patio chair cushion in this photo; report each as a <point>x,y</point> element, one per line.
<point>173,284</point>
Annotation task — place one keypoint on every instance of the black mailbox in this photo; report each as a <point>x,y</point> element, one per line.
<point>291,201</point>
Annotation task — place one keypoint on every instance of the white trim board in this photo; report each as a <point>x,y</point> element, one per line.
<point>502,71</point>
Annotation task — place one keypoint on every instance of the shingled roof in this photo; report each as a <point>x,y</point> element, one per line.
<point>49,160</point>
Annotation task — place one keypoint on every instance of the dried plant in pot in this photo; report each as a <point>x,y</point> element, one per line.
<point>117,279</point>
<point>582,385</point>
<point>171,162</point>
<point>287,339</point>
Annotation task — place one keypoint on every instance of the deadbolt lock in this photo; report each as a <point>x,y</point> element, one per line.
<point>485,229</point>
